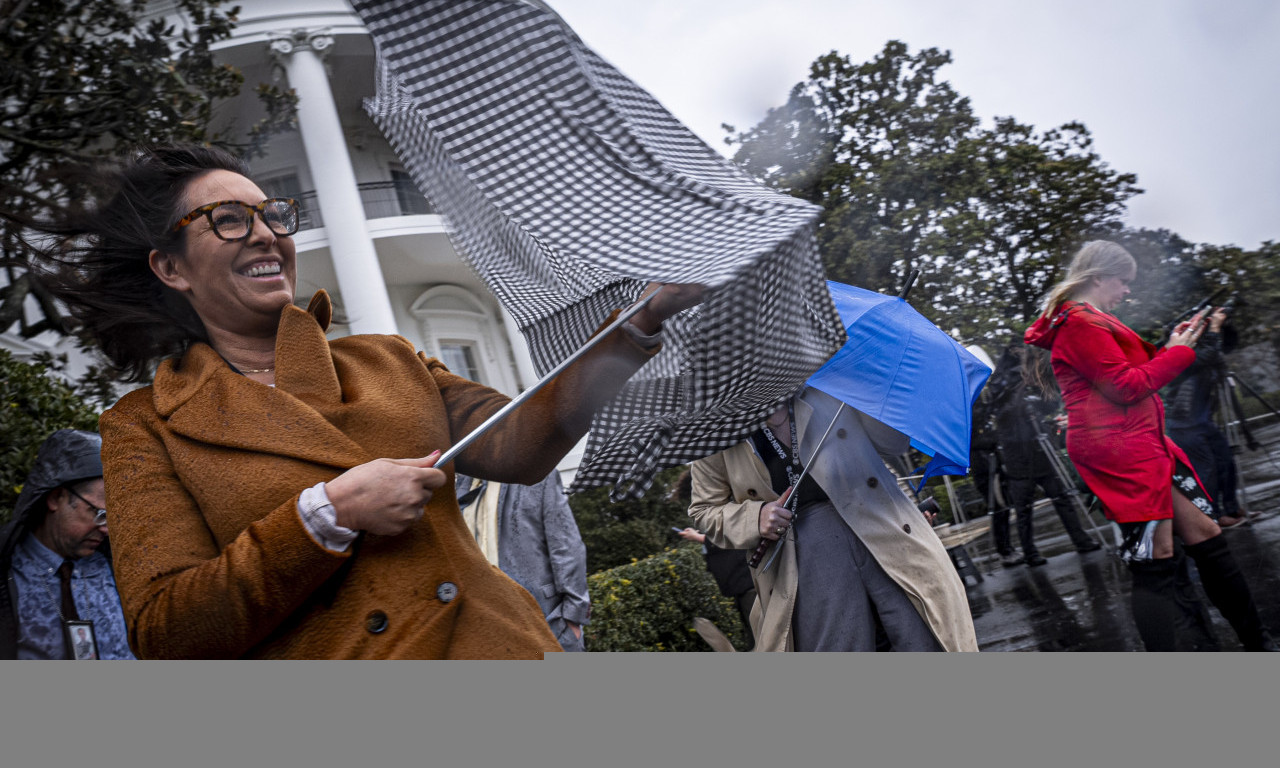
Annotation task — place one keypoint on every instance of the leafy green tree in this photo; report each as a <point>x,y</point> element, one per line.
<point>1254,278</point>
<point>879,146</point>
<point>650,605</point>
<point>908,178</point>
<point>33,405</point>
<point>84,79</point>
<point>1036,198</point>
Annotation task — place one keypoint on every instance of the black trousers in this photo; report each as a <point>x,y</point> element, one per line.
<point>1022,492</point>
<point>1000,531</point>
<point>1210,455</point>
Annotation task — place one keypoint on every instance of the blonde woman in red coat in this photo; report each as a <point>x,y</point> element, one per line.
<point>1109,378</point>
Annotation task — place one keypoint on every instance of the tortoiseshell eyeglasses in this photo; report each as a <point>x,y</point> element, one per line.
<point>232,220</point>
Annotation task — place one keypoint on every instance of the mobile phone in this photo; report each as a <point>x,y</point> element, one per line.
<point>677,530</point>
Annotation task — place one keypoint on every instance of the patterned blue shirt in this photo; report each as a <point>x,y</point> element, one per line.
<point>93,588</point>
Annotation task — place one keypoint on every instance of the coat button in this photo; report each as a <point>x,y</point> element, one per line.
<point>375,622</point>
<point>447,591</point>
<point>752,492</point>
<point>872,482</point>
<point>840,433</point>
<point>906,527</point>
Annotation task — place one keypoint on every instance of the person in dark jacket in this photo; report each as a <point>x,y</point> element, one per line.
<point>727,566</point>
<point>1189,404</point>
<point>55,558</point>
<point>1022,411</point>
<point>990,478</point>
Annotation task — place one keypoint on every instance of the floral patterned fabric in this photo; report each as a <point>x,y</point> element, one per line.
<point>93,587</point>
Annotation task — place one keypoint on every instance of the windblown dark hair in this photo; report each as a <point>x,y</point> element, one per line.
<point>1037,371</point>
<point>96,260</point>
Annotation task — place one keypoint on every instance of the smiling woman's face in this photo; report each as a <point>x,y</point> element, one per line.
<point>236,287</point>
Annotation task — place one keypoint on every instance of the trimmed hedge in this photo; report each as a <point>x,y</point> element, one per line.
<point>623,532</point>
<point>650,604</point>
<point>33,405</point>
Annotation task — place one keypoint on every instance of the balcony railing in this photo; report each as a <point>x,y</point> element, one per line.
<point>381,199</point>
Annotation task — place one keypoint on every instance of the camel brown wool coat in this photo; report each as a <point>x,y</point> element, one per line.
<point>730,487</point>
<point>204,468</point>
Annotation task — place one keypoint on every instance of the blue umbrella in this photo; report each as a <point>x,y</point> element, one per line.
<point>901,369</point>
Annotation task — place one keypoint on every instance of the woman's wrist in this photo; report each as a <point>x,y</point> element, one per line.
<point>642,339</point>
<point>645,323</point>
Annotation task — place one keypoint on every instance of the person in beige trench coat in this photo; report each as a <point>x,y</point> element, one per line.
<point>731,487</point>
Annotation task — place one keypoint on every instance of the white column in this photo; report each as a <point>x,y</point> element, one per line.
<point>527,374</point>
<point>364,292</point>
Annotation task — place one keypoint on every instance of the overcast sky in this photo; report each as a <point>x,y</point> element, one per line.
<point>1184,93</point>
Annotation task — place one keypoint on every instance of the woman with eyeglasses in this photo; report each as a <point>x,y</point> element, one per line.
<point>273,493</point>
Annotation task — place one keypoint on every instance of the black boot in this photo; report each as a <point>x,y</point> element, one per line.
<point>1155,610</point>
<point>1227,588</point>
<point>1195,625</point>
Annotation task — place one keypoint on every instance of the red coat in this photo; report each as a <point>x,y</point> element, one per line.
<point>1109,378</point>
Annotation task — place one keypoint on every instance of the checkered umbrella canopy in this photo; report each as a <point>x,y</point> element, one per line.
<point>568,188</point>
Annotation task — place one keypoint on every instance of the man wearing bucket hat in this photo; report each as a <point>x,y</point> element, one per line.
<point>55,559</point>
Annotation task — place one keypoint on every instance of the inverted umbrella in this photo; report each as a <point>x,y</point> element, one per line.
<point>568,188</point>
<point>901,369</point>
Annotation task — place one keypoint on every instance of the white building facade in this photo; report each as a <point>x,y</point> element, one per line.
<point>367,235</point>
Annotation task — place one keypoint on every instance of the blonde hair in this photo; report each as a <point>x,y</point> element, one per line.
<point>1096,258</point>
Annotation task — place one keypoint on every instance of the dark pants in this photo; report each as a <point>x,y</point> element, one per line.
<point>1210,455</point>
<point>1022,494</point>
<point>842,591</point>
<point>1000,531</point>
<point>985,471</point>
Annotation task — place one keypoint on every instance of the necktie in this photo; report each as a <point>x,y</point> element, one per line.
<point>68,604</point>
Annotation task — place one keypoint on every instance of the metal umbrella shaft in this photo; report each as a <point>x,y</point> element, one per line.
<point>489,423</point>
<point>792,504</point>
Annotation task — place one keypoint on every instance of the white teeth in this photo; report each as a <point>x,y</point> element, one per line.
<point>263,269</point>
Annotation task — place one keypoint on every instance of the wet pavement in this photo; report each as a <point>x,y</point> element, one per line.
<point>1080,602</point>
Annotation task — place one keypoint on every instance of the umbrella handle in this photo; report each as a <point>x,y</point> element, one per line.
<point>758,555</point>
<point>763,546</point>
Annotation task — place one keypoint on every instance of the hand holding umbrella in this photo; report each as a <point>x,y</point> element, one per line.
<point>568,188</point>
<point>775,518</point>
<point>659,301</point>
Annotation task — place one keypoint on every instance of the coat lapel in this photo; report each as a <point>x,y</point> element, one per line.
<point>204,400</point>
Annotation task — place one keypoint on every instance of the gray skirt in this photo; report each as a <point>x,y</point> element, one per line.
<point>842,590</point>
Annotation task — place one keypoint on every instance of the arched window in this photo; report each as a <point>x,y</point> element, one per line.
<point>463,332</point>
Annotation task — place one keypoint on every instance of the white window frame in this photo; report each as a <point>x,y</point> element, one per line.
<point>453,314</point>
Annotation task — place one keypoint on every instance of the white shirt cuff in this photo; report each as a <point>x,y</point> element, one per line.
<point>321,521</point>
<point>645,342</point>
